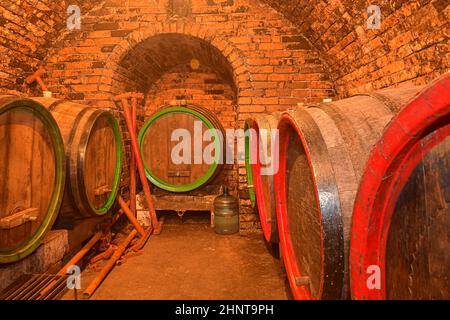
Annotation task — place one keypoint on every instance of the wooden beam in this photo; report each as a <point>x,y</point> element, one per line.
<point>19,218</point>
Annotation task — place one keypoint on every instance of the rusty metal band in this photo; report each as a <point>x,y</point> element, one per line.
<point>393,106</point>
<point>53,106</point>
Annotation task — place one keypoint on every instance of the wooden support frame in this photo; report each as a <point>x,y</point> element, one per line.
<point>183,203</point>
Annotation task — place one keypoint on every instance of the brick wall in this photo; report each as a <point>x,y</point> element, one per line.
<point>411,45</point>
<point>122,47</point>
<point>27,30</point>
<point>269,54</point>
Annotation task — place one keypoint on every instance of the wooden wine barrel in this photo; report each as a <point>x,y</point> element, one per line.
<point>157,148</point>
<point>261,185</point>
<point>401,218</point>
<point>93,146</point>
<point>323,150</point>
<point>32,175</point>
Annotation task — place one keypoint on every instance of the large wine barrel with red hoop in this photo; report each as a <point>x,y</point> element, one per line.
<point>401,218</point>
<point>93,153</point>
<point>323,151</point>
<point>261,141</point>
<point>32,175</point>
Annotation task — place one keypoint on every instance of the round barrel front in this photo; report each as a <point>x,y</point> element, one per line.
<point>32,176</point>
<point>323,149</point>
<point>400,247</point>
<point>93,146</point>
<point>300,212</point>
<point>262,148</point>
<point>182,148</point>
<point>99,163</point>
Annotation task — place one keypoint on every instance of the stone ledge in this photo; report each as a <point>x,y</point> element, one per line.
<point>52,250</point>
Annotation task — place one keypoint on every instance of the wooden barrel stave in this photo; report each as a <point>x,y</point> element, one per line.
<point>336,138</point>
<point>154,139</point>
<point>262,187</point>
<point>417,246</point>
<point>217,125</point>
<point>93,145</point>
<point>32,176</point>
<point>401,212</point>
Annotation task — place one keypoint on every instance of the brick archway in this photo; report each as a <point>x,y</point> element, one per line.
<point>226,51</point>
<point>231,54</point>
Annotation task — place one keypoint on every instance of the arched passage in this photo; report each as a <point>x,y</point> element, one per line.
<point>195,40</point>
<point>182,69</point>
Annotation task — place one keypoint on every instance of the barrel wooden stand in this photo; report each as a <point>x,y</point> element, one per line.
<point>182,203</point>
<point>32,176</point>
<point>323,150</point>
<point>402,210</point>
<point>93,146</point>
<point>261,186</point>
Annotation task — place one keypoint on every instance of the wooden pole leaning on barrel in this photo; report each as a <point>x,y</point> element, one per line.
<point>157,148</point>
<point>261,137</point>
<point>401,218</point>
<point>32,176</point>
<point>323,149</point>
<point>93,146</point>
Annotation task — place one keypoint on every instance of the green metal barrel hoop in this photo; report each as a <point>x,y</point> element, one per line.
<point>186,187</point>
<point>26,105</point>
<point>248,164</point>
<point>104,209</point>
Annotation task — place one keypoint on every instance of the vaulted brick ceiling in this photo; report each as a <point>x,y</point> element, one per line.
<point>411,41</point>
<point>327,22</point>
<point>411,44</point>
<point>27,30</point>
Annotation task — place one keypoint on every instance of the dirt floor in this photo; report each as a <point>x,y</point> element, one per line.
<point>189,261</point>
